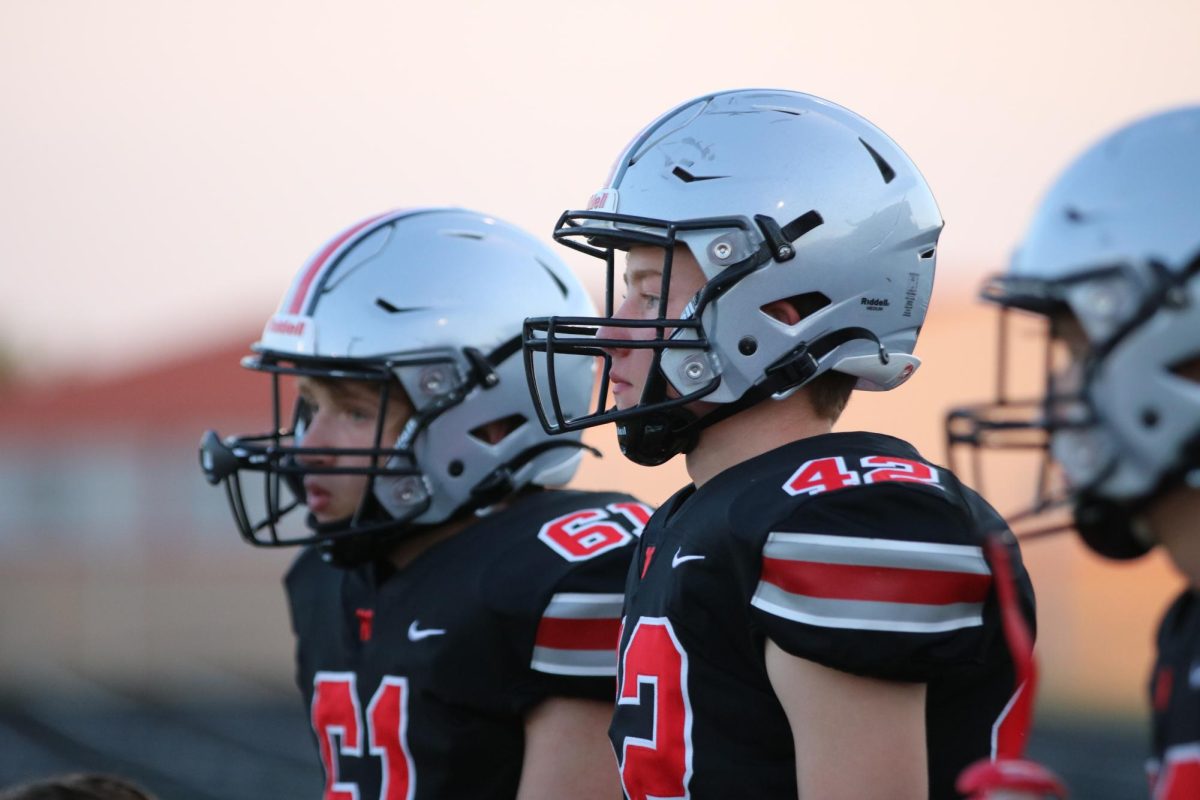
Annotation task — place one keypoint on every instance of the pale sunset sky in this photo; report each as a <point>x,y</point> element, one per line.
<point>167,166</point>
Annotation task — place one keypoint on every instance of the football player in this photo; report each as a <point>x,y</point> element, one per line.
<point>815,614</point>
<point>1111,261</point>
<point>455,619</point>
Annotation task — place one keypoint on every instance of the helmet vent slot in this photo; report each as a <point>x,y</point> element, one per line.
<point>806,304</point>
<point>498,430</point>
<point>687,177</point>
<point>562,287</point>
<point>1188,368</point>
<point>885,169</point>
<point>394,309</point>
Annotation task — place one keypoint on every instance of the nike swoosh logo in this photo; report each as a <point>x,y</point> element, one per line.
<point>678,559</point>
<point>416,634</point>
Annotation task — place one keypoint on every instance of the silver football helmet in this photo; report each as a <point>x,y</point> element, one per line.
<point>778,195</point>
<point>429,302</point>
<point>1115,247</point>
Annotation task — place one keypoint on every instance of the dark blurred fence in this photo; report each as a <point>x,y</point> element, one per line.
<point>261,749</point>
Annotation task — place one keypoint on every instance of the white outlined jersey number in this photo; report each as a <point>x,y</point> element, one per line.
<point>661,766</point>
<point>589,532</point>
<point>337,720</point>
<point>831,473</point>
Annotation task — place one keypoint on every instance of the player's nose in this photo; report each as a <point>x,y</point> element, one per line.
<point>614,333</point>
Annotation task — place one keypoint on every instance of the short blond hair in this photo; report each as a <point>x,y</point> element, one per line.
<point>829,393</point>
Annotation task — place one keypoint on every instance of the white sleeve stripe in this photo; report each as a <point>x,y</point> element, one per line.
<point>1182,752</point>
<point>575,662</point>
<point>584,606</point>
<point>865,614</point>
<point>858,551</point>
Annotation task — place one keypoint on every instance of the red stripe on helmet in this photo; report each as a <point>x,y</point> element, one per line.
<point>318,262</point>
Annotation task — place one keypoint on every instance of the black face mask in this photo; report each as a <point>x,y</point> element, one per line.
<point>659,426</point>
<point>1108,527</point>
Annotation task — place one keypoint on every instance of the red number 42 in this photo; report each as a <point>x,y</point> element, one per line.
<point>830,474</point>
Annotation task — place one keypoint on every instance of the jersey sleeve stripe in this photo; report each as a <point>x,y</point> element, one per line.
<point>567,605</point>
<point>585,663</point>
<point>879,584</point>
<point>869,552</point>
<point>866,615</point>
<point>578,634</point>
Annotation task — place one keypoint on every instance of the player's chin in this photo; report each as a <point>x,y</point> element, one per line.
<point>326,513</point>
<point>624,396</point>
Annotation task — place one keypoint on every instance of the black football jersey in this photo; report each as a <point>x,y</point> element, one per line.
<point>1174,769</point>
<point>846,549</point>
<point>417,681</point>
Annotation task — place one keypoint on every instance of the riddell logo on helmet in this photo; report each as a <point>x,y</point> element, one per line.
<point>874,303</point>
<point>603,200</point>
<point>286,327</point>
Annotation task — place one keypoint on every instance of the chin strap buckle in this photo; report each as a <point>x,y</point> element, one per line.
<point>780,246</point>
<point>794,369</point>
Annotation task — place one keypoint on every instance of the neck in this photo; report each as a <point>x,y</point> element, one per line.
<point>1172,521</point>
<point>411,547</point>
<point>757,430</point>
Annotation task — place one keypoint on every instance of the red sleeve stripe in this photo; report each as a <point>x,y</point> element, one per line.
<point>868,552</point>
<point>323,258</point>
<point>876,584</point>
<point>578,635</point>
<point>872,584</point>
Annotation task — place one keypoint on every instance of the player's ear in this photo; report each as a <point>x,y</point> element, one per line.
<point>494,432</point>
<point>783,311</point>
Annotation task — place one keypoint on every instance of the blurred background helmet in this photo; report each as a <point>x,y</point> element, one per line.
<point>779,196</point>
<point>1113,251</point>
<point>430,303</point>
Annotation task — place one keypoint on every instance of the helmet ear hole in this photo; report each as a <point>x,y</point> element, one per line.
<point>798,307</point>
<point>1188,369</point>
<point>498,430</point>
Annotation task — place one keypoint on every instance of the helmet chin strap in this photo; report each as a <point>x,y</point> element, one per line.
<point>1110,529</point>
<point>652,438</point>
<point>375,532</point>
<point>1116,530</point>
<point>377,539</point>
<point>655,437</point>
<point>500,483</point>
